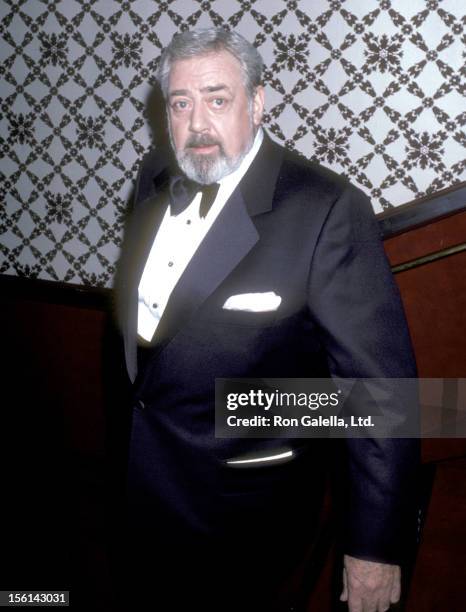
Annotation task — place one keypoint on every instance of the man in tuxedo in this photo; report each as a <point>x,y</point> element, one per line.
<point>243,260</point>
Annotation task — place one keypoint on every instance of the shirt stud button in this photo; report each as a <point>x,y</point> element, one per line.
<point>170,263</point>
<point>155,305</point>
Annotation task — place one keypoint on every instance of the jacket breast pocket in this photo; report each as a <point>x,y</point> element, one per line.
<point>244,318</point>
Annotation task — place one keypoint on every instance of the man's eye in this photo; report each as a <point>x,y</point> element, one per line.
<point>180,105</point>
<point>218,102</point>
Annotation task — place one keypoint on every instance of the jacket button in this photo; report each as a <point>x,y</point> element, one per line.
<point>140,404</point>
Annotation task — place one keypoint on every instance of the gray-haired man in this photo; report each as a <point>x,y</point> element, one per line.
<point>240,216</point>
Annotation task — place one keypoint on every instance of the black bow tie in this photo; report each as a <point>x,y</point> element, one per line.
<point>182,192</point>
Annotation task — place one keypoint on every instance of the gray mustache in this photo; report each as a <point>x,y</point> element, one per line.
<point>201,141</point>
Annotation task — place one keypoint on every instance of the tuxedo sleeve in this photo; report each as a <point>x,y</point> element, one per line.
<point>358,311</point>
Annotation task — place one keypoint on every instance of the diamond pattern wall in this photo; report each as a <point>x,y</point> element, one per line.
<point>373,89</point>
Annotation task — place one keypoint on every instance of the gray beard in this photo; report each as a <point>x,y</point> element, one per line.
<point>207,169</point>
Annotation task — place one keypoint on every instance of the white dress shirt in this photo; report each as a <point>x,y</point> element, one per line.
<point>177,240</point>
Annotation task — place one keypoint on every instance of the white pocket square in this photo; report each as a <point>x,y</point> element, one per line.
<point>253,302</point>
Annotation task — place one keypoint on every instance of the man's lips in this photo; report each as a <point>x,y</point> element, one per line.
<point>204,149</point>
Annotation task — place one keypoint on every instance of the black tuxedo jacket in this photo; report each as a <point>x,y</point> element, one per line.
<point>299,230</point>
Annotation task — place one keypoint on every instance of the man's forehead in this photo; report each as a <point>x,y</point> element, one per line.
<point>212,71</point>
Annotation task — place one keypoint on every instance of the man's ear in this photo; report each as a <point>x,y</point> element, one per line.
<point>258,105</point>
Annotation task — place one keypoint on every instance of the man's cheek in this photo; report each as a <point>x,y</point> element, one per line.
<point>179,142</point>
<point>178,130</point>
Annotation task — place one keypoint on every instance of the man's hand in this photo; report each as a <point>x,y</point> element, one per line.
<point>369,586</point>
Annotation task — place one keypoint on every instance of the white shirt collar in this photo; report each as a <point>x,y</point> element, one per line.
<point>231,180</point>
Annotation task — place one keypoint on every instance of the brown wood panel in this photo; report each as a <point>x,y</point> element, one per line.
<point>55,364</point>
<point>438,580</point>
<point>436,236</point>
<point>434,296</point>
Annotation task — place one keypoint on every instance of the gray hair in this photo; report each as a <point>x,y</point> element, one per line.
<point>210,40</point>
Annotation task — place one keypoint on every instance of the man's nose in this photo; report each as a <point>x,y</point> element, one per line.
<point>198,119</point>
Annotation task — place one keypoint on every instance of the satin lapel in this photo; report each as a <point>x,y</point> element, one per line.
<point>228,241</point>
<point>259,182</point>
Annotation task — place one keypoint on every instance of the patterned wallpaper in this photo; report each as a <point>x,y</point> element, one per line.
<point>371,88</point>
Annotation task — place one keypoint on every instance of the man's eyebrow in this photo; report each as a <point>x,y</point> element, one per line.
<point>207,89</point>
<point>178,92</point>
<point>212,88</point>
